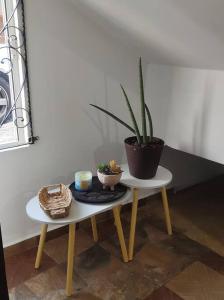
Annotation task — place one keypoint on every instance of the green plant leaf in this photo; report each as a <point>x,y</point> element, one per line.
<point>150,121</point>
<point>142,97</point>
<point>101,167</point>
<point>114,117</point>
<point>132,116</point>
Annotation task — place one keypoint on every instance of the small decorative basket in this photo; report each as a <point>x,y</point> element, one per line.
<point>55,204</point>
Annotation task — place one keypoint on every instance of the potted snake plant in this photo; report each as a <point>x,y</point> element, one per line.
<point>142,148</point>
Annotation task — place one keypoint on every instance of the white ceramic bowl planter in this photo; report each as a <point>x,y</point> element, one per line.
<point>109,180</point>
<point>109,174</point>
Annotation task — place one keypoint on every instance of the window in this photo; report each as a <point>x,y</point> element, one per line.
<point>15,110</point>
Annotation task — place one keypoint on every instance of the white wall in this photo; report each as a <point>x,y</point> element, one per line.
<point>188,109</point>
<point>72,62</point>
<point>179,32</point>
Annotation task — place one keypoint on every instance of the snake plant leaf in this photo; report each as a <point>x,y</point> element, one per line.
<point>150,121</point>
<point>114,117</point>
<point>132,116</point>
<point>142,96</point>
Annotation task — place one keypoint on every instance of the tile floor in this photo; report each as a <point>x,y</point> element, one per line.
<point>188,265</point>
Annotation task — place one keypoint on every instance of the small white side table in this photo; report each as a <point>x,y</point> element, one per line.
<point>160,181</point>
<point>78,212</point>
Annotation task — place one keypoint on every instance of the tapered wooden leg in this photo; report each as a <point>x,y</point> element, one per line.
<point>119,209</point>
<point>120,233</point>
<point>166,211</point>
<point>41,245</point>
<point>94,229</point>
<point>70,259</point>
<point>133,223</point>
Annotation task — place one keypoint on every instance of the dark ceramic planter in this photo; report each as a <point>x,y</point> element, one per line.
<point>143,160</point>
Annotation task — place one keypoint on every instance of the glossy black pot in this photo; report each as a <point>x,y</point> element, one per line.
<point>143,160</point>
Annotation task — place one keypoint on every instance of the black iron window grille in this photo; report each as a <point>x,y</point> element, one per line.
<point>15,109</point>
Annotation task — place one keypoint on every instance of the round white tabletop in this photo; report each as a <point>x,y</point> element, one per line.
<point>163,178</point>
<point>78,212</point>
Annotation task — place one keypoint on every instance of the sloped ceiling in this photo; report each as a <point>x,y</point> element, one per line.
<point>179,32</point>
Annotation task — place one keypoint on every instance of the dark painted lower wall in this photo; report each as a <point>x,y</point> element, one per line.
<point>188,169</point>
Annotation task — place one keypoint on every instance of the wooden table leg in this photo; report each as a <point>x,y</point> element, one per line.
<point>119,209</point>
<point>117,219</point>
<point>94,229</point>
<point>133,223</point>
<point>41,245</point>
<point>166,211</point>
<point>70,259</point>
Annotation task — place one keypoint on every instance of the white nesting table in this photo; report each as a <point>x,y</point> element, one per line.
<point>78,212</point>
<point>160,181</point>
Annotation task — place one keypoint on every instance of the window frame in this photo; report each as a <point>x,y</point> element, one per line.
<point>20,111</point>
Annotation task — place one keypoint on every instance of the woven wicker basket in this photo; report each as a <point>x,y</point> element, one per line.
<point>55,204</point>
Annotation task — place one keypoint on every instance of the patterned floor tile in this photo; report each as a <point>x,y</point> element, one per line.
<point>117,280</point>
<point>107,277</point>
<point>136,281</point>
<point>93,258</point>
<point>86,296</point>
<point>185,262</point>
<point>105,228</point>
<point>112,245</point>
<point>197,212</point>
<point>20,267</point>
<point>214,261</point>
<point>163,293</point>
<point>198,282</point>
<point>95,266</point>
<point>181,245</point>
<point>57,248</point>
<point>162,260</point>
<point>51,284</point>
<point>21,292</point>
<point>154,235</point>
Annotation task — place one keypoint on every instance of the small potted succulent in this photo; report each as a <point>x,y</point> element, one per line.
<point>109,174</point>
<point>143,150</point>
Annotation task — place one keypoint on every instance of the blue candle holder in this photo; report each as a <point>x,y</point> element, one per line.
<point>83,181</point>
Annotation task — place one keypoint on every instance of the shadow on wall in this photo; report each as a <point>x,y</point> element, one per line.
<point>111,147</point>
<point>82,36</point>
<point>188,169</point>
<point>202,118</point>
<point>109,151</point>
